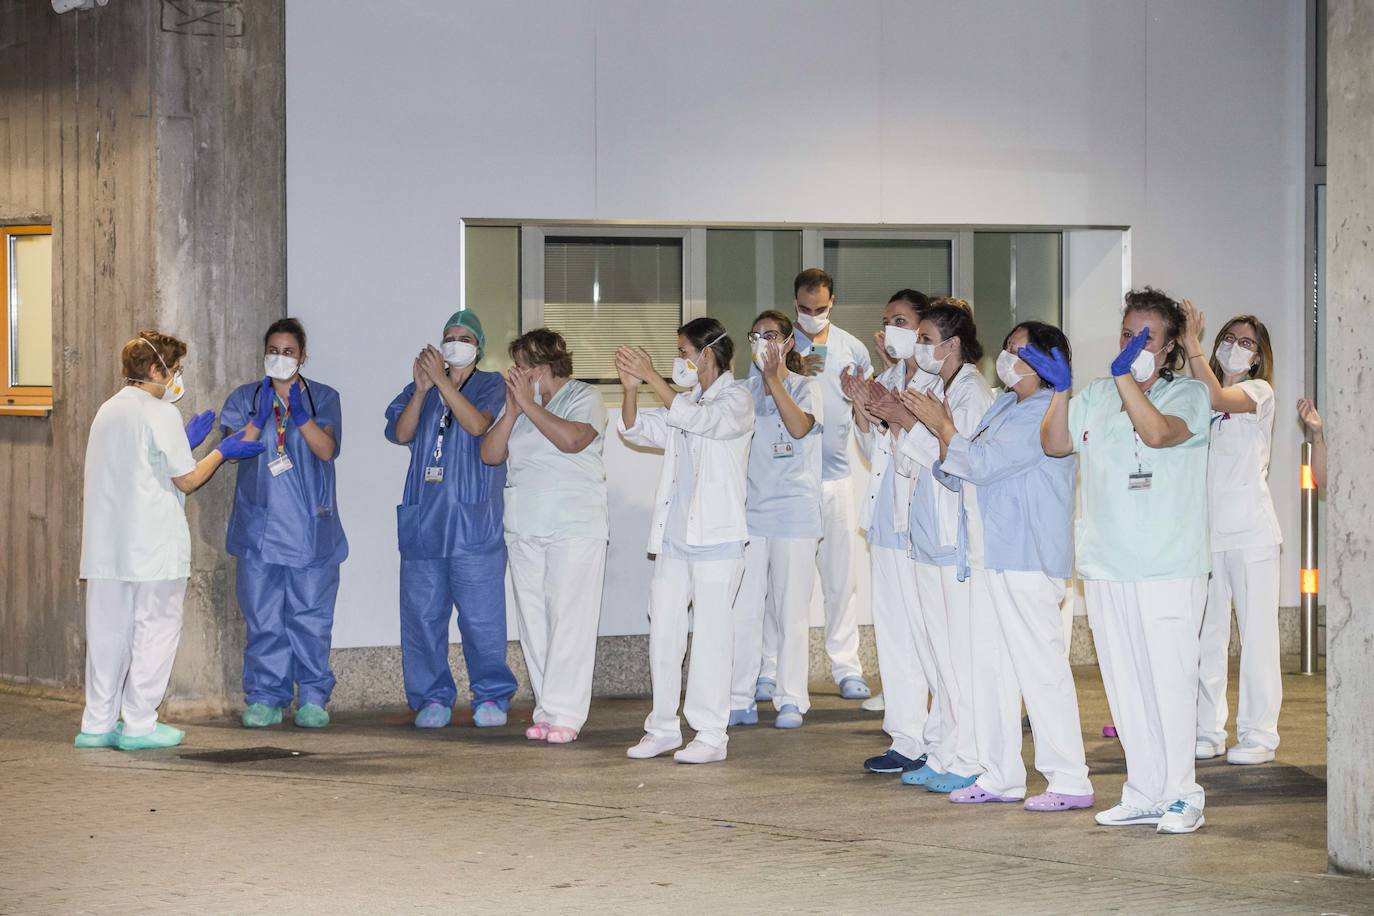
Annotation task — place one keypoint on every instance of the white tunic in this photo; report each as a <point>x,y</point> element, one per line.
<point>1240,506</point>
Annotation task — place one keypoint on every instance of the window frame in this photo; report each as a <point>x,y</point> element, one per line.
<point>22,400</point>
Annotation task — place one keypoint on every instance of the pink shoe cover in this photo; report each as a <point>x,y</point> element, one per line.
<point>561,734</point>
<point>976,795</point>
<point>1057,801</point>
<point>1109,731</point>
<point>539,731</point>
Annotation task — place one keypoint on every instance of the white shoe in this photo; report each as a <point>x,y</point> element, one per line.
<point>652,746</point>
<point>700,752</point>
<point>874,704</point>
<point>1123,815</point>
<point>1249,754</point>
<point>1206,750</point>
<point>1181,817</point>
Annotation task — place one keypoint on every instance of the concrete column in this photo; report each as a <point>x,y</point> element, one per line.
<point>1350,389</point>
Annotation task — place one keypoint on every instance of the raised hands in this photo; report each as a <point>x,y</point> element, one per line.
<point>200,427</point>
<point>1194,322</point>
<point>1122,364</point>
<point>634,365</point>
<point>931,412</point>
<point>1053,367</point>
<point>519,388</point>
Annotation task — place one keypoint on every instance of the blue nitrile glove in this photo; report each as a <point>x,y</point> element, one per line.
<point>1122,364</point>
<point>262,406</point>
<point>1053,368</point>
<point>200,427</point>
<point>297,405</point>
<point>233,447</point>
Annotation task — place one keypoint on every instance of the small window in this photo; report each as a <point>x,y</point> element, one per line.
<point>868,271</point>
<point>26,338</point>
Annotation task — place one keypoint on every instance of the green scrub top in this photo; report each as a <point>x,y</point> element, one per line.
<point>1133,527</point>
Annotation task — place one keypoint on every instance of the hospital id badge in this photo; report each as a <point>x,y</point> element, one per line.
<point>434,475</point>
<point>280,465</point>
<point>1140,481</point>
<point>782,449</point>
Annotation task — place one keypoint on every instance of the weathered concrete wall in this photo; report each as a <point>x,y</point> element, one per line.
<point>155,144</point>
<point>1350,388</point>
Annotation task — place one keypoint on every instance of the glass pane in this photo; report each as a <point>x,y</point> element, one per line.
<point>600,293</point>
<point>30,310</point>
<point>492,287</point>
<point>1016,278</point>
<point>1319,63</point>
<point>748,272</point>
<point>868,271</point>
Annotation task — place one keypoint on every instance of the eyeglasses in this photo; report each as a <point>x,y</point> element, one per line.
<point>770,336</point>
<point>1244,343</point>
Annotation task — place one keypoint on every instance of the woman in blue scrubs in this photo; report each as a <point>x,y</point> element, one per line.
<point>453,549</point>
<point>285,531</point>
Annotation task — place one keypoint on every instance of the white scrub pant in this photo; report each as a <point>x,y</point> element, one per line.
<point>835,560</point>
<point>1019,654</point>
<point>944,603</point>
<point>905,659</point>
<point>783,569</point>
<point>1146,635</point>
<point>709,586</point>
<point>1250,578</point>
<point>557,586</point>
<point>132,631</point>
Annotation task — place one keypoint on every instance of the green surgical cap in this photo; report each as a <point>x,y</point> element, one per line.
<point>468,319</point>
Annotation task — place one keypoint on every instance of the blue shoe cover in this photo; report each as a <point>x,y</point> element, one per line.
<point>948,782</point>
<point>854,688</point>
<point>433,715</point>
<point>788,717</point>
<point>260,715</point>
<point>103,739</point>
<point>748,716</point>
<point>764,688</point>
<point>922,776</point>
<point>488,714</point>
<point>163,735</point>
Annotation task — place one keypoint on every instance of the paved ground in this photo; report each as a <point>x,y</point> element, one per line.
<point>374,817</point>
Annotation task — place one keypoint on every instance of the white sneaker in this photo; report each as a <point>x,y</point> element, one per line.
<point>1181,817</point>
<point>652,746</point>
<point>700,752</point>
<point>1249,754</point>
<point>1123,815</point>
<point>1206,750</point>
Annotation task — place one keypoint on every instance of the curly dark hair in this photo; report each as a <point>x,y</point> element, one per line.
<point>1171,313</point>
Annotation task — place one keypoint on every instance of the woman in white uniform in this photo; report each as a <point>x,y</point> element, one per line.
<point>1245,540</point>
<point>905,658</point>
<point>947,346</point>
<point>135,544</point>
<point>697,532</point>
<point>549,435</point>
<point>783,508</point>
<point>1025,504</point>
<point>1141,537</point>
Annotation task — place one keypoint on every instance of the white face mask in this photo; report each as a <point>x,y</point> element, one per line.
<point>685,371</point>
<point>1143,366</point>
<point>458,353</point>
<point>1006,369</point>
<point>760,349</point>
<point>813,324</point>
<point>1234,359</point>
<point>280,367</point>
<point>171,391</point>
<point>925,358</point>
<point>899,342</point>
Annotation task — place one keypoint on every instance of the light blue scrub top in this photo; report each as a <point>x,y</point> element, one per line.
<point>675,544</point>
<point>784,495</point>
<point>463,512</point>
<point>1025,497</point>
<point>291,519</point>
<point>843,350</point>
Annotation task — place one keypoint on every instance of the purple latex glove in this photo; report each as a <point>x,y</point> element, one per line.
<point>200,427</point>
<point>233,447</point>
<point>1053,368</point>
<point>1122,364</point>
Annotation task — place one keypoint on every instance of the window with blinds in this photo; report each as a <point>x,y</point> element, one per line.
<point>601,293</point>
<point>868,271</point>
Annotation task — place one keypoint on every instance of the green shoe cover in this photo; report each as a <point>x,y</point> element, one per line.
<point>87,739</point>
<point>260,715</point>
<point>163,735</point>
<point>312,715</point>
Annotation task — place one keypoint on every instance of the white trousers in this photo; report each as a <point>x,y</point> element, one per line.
<point>557,586</point>
<point>709,586</point>
<point>944,603</point>
<point>1146,635</point>
<point>1019,654</point>
<point>1249,579</point>
<point>783,570</point>
<point>835,560</point>
<point>132,631</point>
<point>906,661</point>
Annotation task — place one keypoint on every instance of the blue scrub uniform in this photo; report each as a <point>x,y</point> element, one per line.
<point>453,551</point>
<point>286,533</point>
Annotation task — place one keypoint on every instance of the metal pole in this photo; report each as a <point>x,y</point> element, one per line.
<point>1308,608</point>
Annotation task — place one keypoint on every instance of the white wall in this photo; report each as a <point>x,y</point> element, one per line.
<point>1181,120</point>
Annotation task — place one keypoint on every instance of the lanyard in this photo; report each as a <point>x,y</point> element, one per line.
<point>439,442</point>
<point>281,425</point>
